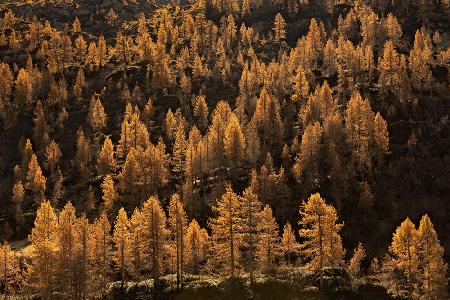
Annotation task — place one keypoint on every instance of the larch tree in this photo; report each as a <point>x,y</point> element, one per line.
<point>97,117</point>
<point>137,241</point>
<point>43,239</point>
<point>307,163</point>
<point>380,140</point>
<point>354,265</point>
<point>106,161</point>
<point>226,231</point>
<point>234,143</point>
<point>197,247</point>
<point>35,180</point>
<point>66,241</point>
<point>155,235</point>
<point>250,210</point>
<point>9,269</point>
<point>177,225</point>
<point>404,256</point>
<point>432,268</point>
<point>289,246</point>
<point>322,245</point>
<point>359,127</point>
<point>201,112</point>
<point>53,156</point>
<point>17,197</point>
<point>122,250</point>
<point>100,232</point>
<point>279,29</point>
<point>268,247</point>
<point>109,194</point>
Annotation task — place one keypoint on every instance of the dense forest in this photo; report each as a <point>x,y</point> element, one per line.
<point>224,149</point>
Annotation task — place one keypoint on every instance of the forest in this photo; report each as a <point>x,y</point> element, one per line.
<point>224,149</point>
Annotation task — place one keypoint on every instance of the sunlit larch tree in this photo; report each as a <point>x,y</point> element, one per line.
<point>156,235</point>
<point>289,246</point>
<point>122,250</point>
<point>268,247</point>
<point>322,244</point>
<point>197,247</point>
<point>226,232</point>
<point>177,222</point>
<point>137,241</point>
<point>250,213</point>
<point>403,256</point>
<point>43,238</point>
<point>9,269</point>
<point>106,161</point>
<point>100,234</point>
<point>432,268</point>
<point>36,181</point>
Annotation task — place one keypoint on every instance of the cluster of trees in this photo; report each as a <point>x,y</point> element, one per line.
<point>191,100</point>
<point>73,256</point>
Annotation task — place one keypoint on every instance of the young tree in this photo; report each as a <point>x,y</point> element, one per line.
<point>177,225</point>
<point>322,244</point>
<point>66,241</point>
<point>121,238</point>
<point>404,256</point>
<point>100,234</point>
<point>97,117</point>
<point>35,180</point>
<point>197,246</point>
<point>106,162</point>
<point>234,143</point>
<point>269,240</point>
<point>289,246</point>
<point>279,28</point>
<point>201,112</point>
<point>354,265</point>
<point>432,267</point>
<point>9,269</point>
<point>155,236</point>
<point>109,196</point>
<point>137,241</point>
<point>250,210</point>
<point>43,238</point>
<point>226,228</point>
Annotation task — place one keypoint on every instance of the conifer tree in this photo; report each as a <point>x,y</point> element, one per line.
<point>177,225</point>
<point>35,180</point>
<point>100,234</point>
<point>322,245</point>
<point>156,235</point>
<point>268,244</point>
<point>201,112</point>
<point>404,256</point>
<point>9,269</point>
<point>279,28</point>
<point>106,162</point>
<point>109,196</point>
<point>307,163</point>
<point>226,228</point>
<point>121,238</point>
<point>197,247</point>
<point>354,265</point>
<point>43,238</point>
<point>137,241</point>
<point>289,246</point>
<point>359,127</point>
<point>234,143</point>
<point>250,209</point>
<point>432,267</point>
<point>96,116</point>
<point>66,241</point>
